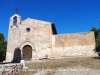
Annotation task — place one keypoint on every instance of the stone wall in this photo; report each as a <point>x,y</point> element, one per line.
<point>78,44</point>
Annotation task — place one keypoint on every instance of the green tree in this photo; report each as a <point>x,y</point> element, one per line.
<point>3,46</point>
<point>96,32</point>
<point>97,38</point>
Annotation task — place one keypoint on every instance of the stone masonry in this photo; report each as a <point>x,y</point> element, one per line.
<point>44,41</point>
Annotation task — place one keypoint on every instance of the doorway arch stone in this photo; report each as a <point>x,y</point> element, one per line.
<point>33,46</point>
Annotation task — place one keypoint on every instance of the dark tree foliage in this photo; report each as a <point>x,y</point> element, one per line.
<point>97,38</point>
<point>96,32</point>
<point>3,46</point>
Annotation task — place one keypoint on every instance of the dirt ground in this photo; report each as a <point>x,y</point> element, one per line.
<point>63,66</point>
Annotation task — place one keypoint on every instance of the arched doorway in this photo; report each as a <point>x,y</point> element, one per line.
<point>27,52</point>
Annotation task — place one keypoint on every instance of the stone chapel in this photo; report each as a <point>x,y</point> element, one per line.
<point>39,39</point>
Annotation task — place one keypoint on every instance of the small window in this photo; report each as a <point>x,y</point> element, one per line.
<point>28,29</point>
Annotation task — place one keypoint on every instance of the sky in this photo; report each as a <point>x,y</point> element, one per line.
<point>69,16</point>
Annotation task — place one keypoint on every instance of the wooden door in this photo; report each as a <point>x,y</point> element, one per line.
<point>27,52</point>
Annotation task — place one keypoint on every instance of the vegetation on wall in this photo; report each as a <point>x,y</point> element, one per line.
<point>3,46</point>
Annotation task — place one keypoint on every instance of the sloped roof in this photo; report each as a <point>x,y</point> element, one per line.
<point>35,20</point>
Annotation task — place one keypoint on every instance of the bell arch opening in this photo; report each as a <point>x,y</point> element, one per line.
<point>15,20</point>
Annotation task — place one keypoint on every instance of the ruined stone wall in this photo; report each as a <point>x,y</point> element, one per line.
<point>78,44</point>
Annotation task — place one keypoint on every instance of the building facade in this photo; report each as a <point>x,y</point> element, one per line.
<point>39,39</point>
